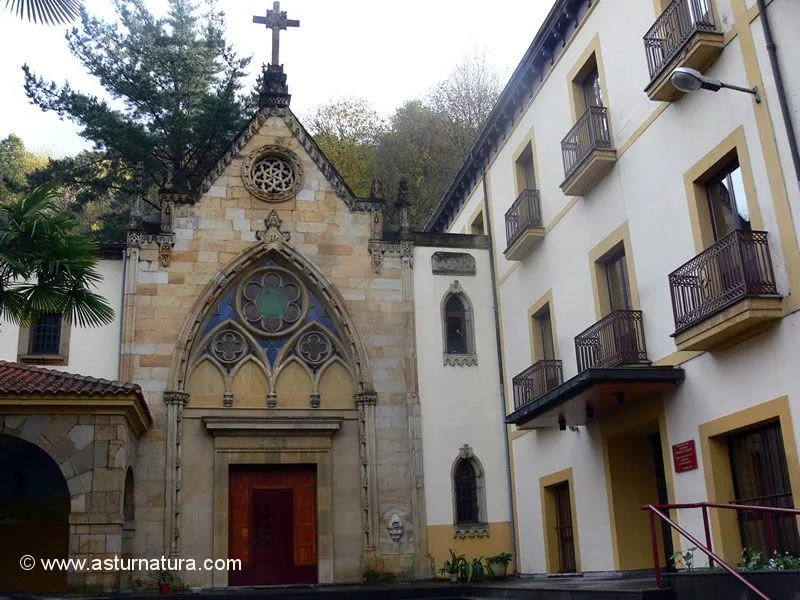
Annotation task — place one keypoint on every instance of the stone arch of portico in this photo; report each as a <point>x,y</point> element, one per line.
<point>306,270</point>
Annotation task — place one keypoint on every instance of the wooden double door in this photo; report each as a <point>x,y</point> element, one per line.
<point>273,529</point>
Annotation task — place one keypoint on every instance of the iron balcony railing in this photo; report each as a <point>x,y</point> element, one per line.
<point>617,339</point>
<point>735,267</point>
<point>679,21</point>
<point>589,133</point>
<point>525,212</point>
<point>536,380</point>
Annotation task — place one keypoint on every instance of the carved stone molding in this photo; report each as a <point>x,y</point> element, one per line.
<point>272,235</point>
<point>478,530</point>
<point>378,250</point>
<point>175,397</point>
<point>227,399</point>
<point>163,241</point>
<point>453,263</point>
<point>459,360</point>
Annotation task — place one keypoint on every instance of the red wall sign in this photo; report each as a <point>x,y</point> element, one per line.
<point>684,456</point>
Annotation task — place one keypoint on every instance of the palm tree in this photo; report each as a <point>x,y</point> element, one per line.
<point>45,267</point>
<point>48,12</point>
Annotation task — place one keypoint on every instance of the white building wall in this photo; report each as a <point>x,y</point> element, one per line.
<point>460,404</point>
<point>645,189</point>
<point>93,351</point>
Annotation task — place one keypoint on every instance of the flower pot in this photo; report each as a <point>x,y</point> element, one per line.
<point>163,589</point>
<point>498,569</point>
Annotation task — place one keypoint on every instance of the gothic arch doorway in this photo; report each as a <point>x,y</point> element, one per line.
<point>34,513</point>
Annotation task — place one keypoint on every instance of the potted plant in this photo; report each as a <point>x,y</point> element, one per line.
<point>165,579</point>
<point>498,564</point>
<point>454,566</point>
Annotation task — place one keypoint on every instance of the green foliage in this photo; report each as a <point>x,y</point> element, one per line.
<point>423,141</point>
<point>755,560</point>
<point>347,131</point>
<point>455,565</point>
<point>503,558</point>
<point>16,164</point>
<point>46,12</point>
<point>175,85</point>
<point>683,559</point>
<point>45,266</point>
<point>473,571</point>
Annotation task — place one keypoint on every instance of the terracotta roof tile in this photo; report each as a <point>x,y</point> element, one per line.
<point>25,379</point>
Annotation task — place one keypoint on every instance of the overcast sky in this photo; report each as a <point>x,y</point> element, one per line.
<point>387,51</point>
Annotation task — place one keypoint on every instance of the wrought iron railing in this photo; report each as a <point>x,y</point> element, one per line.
<point>536,380</point>
<point>736,266</point>
<point>617,339</point>
<point>525,212</point>
<point>589,133</point>
<point>679,21</point>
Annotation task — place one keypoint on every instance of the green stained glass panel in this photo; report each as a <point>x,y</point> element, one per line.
<point>272,302</point>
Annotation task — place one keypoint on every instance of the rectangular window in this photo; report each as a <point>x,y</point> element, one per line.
<point>526,176</point>
<point>544,330</point>
<point>619,294</point>
<point>761,478</point>
<point>477,228</point>
<point>592,94</point>
<point>45,336</point>
<point>727,201</point>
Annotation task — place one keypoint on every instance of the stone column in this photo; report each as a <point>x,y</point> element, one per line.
<point>419,524</point>
<point>175,401</point>
<point>365,401</point>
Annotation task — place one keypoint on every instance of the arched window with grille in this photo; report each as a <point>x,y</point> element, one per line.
<point>458,338</point>
<point>466,490</point>
<point>469,495</point>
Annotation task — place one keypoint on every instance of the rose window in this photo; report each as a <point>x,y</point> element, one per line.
<point>272,174</point>
<point>228,346</point>
<point>315,348</point>
<point>272,302</point>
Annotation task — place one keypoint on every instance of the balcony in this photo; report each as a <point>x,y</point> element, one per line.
<point>613,372</point>
<point>684,35</point>
<point>725,294</point>
<point>615,340</point>
<point>536,380</point>
<point>524,228</point>
<point>587,152</point>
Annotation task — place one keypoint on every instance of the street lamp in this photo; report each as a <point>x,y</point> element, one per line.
<point>690,80</point>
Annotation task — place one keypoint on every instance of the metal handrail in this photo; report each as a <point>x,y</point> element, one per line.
<point>616,339</point>
<point>673,28</point>
<point>589,133</point>
<point>655,510</point>
<point>535,381</point>
<point>526,211</point>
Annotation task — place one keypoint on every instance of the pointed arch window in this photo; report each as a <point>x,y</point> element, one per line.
<point>458,338</point>
<point>469,495</point>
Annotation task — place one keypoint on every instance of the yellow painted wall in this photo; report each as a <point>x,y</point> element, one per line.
<point>633,483</point>
<point>441,540</point>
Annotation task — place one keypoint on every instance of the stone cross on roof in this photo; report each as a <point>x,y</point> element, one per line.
<point>276,20</point>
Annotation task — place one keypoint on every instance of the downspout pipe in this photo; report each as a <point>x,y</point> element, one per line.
<point>772,51</point>
<point>500,369</point>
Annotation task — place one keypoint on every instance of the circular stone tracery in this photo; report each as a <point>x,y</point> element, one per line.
<point>272,173</point>
<point>315,348</point>
<point>272,302</point>
<point>228,346</point>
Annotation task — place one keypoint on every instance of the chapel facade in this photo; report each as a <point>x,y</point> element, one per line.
<point>284,410</point>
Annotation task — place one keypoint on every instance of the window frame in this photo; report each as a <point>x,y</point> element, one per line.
<point>468,358</point>
<point>479,528</point>
<point>27,356</point>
